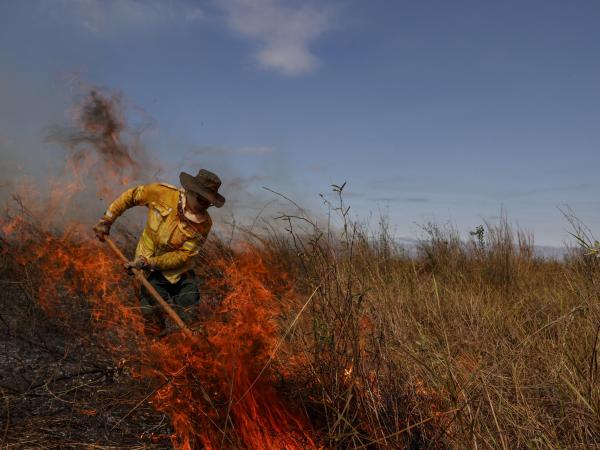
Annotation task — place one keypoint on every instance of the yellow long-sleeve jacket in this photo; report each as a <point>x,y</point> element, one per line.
<point>169,240</point>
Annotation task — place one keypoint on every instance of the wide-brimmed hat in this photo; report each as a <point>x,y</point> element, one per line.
<point>205,184</point>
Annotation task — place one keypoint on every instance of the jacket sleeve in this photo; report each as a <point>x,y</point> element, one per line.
<point>179,257</point>
<point>131,197</point>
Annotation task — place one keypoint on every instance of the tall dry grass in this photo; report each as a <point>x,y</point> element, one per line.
<point>468,344</point>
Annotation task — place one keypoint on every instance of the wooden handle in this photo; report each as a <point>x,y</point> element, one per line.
<point>139,274</point>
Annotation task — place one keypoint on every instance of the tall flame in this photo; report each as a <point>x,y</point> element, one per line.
<point>213,387</point>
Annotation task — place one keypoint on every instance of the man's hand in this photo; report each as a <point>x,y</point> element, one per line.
<point>102,229</point>
<point>139,263</point>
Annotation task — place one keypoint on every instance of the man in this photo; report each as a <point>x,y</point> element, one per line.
<point>176,227</point>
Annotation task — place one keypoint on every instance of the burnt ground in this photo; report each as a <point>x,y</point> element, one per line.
<point>59,388</point>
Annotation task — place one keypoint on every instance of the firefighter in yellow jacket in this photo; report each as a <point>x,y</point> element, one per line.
<point>177,226</point>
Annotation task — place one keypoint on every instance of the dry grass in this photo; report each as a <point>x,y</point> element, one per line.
<point>476,344</point>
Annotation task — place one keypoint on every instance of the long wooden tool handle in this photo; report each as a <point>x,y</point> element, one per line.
<point>140,276</point>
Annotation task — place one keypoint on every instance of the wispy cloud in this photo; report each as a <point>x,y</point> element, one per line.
<point>105,17</point>
<point>282,31</point>
<point>543,192</point>
<point>400,199</point>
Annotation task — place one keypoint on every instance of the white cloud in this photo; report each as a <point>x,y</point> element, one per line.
<point>282,31</point>
<point>105,17</point>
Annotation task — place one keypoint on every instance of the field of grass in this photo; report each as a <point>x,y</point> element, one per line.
<point>467,344</point>
<point>470,344</point>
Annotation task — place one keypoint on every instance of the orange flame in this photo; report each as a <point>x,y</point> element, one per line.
<point>213,388</point>
<point>204,382</point>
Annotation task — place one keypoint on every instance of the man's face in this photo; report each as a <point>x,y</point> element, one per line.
<point>196,203</point>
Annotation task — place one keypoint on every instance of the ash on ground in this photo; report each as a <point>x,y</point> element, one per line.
<point>60,388</point>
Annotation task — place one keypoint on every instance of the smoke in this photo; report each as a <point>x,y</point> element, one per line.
<point>101,145</point>
<point>80,164</point>
<point>99,127</point>
<point>245,175</point>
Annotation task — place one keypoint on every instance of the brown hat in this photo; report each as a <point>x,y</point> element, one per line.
<point>205,184</point>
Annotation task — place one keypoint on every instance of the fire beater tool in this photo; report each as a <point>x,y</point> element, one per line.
<point>139,274</point>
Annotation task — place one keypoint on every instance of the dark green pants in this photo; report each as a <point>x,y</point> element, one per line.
<point>182,296</point>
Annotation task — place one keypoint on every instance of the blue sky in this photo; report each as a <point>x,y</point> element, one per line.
<point>430,110</point>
